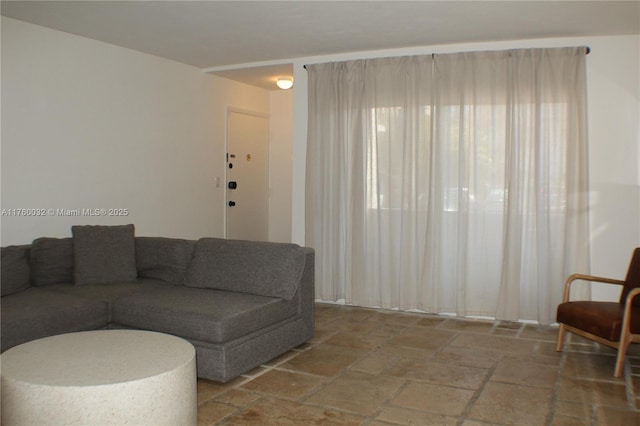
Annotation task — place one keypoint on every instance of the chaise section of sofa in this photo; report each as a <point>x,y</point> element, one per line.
<point>224,361</point>
<point>240,303</point>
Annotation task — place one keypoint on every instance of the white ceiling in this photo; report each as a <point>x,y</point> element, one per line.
<point>222,35</point>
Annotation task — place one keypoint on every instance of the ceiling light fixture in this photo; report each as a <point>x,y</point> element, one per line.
<point>285,83</point>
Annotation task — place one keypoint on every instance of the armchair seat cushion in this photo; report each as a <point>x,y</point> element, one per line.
<point>603,319</point>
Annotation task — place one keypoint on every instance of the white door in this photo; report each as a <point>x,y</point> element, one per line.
<point>247,183</point>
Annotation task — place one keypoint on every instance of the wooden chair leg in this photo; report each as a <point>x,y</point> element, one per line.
<point>625,340</point>
<point>561,333</point>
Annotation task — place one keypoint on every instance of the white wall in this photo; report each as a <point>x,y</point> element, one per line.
<point>281,140</point>
<point>613,67</point>
<point>613,80</point>
<point>91,125</point>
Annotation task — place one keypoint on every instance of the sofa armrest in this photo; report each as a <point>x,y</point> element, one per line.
<point>307,289</point>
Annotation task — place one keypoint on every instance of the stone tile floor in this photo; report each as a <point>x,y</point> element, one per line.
<point>375,367</point>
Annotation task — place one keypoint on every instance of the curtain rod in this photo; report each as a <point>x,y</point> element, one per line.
<point>587,50</point>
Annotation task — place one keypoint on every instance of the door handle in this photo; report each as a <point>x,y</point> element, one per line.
<point>232,203</point>
<point>233,185</point>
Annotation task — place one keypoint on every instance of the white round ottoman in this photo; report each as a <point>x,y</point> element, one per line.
<point>100,377</point>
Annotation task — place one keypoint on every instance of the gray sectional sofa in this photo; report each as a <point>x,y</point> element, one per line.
<point>240,303</point>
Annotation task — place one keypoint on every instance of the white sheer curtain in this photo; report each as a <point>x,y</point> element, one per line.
<point>450,183</point>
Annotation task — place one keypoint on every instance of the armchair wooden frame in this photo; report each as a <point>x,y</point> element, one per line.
<point>626,337</point>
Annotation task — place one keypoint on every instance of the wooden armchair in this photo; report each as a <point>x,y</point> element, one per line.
<point>614,324</point>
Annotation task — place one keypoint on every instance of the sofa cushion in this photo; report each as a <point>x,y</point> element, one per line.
<point>164,259</point>
<point>201,314</point>
<point>15,269</point>
<point>51,261</point>
<point>255,267</point>
<point>104,254</point>
<point>110,292</point>
<point>39,312</point>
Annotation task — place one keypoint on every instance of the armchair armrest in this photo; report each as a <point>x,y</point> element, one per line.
<point>582,277</point>
<point>629,300</point>
<point>626,317</point>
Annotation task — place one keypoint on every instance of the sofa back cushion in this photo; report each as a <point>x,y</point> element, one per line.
<point>51,261</point>
<point>14,261</point>
<point>165,259</point>
<point>104,254</point>
<point>256,267</point>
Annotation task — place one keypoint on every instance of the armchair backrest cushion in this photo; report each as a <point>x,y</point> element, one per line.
<point>633,278</point>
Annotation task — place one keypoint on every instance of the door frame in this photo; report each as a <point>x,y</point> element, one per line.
<point>239,110</point>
